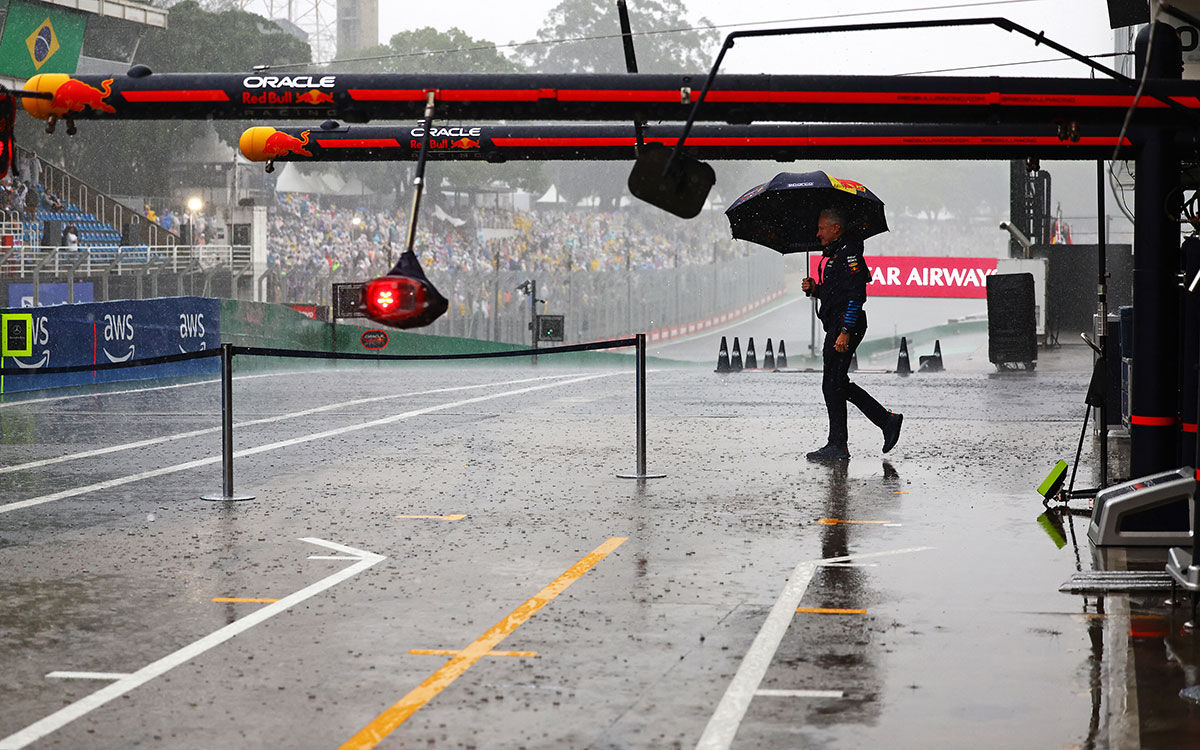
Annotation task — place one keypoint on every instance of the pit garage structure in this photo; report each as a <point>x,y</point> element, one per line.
<point>1152,119</point>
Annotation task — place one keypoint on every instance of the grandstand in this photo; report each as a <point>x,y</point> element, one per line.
<point>91,231</point>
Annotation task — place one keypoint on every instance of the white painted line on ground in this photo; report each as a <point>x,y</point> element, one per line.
<point>800,693</point>
<point>88,675</point>
<point>119,481</point>
<point>265,420</point>
<point>125,684</point>
<point>724,723</point>
<point>17,401</point>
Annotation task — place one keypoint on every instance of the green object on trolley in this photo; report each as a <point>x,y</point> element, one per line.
<point>1053,481</point>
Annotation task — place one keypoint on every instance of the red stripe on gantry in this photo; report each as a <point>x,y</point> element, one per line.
<point>194,95</point>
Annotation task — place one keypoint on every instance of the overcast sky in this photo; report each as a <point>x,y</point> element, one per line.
<point>1079,24</point>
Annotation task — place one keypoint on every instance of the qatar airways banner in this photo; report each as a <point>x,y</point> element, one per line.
<point>908,276</point>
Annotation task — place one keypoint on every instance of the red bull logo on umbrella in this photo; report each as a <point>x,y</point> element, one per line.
<point>850,186</point>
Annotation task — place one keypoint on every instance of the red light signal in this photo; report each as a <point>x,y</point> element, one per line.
<point>401,302</point>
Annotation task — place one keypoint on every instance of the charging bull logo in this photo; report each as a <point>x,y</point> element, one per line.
<point>282,144</point>
<point>464,143</point>
<point>266,144</point>
<point>315,97</point>
<point>850,186</point>
<point>74,95</point>
<point>70,95</point>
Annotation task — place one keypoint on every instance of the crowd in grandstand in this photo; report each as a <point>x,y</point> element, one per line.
<point>308,240</point>
<point>26,197</point>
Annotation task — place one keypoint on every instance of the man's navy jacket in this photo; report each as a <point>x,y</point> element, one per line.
<point>842,280</point>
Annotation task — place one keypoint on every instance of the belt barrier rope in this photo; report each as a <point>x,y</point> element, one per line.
<point>302,354</point>
<point>165,359</point>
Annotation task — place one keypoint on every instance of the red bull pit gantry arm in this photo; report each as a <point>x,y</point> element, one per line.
<point>734,98</point>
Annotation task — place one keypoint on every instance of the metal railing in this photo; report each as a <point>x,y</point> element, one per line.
<point>54,262</point>
<point>89,199</point>
<point>207,270</point>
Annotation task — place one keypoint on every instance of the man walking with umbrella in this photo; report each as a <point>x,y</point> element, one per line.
<point>841,291</point>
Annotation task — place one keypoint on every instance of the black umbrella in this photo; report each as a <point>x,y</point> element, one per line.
<point>782,214</point>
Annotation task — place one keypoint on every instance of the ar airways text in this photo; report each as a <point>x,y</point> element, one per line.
<point>908,276</point>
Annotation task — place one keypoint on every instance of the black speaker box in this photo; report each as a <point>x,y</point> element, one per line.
<point>1012,321</point>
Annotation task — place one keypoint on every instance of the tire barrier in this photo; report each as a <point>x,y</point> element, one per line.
<point>932,362</point>
<point>769,357</point>
<point>751,357</point>
<point>735,358</point>
<point>903,367</point>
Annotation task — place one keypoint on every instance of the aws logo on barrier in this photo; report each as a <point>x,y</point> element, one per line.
<point>23,332</point>
<point>118,329</point>
<point>191,327</point>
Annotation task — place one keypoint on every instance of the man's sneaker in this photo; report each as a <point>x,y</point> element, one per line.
<point>829,453</point>
<point>891,431</point>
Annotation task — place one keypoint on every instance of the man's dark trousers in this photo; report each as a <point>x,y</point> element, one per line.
<point>838,389</point>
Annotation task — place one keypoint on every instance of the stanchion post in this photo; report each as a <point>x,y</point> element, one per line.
<point>227,429</point>
<point>641,414</point>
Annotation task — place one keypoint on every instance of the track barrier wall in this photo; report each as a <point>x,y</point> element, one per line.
<point>96,333</point>
<point>111,332</point>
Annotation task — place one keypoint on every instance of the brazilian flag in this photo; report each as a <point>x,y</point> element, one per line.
<point>40,39</point>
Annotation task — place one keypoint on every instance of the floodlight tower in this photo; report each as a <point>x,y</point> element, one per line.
<point>316,18</point>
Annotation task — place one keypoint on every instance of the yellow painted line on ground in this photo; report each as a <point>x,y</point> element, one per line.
<point>456,652</point>
<point>899,493</point>
<point>244,600</point>
<point>832,521</point>
<point>387,722</point>
<point>455,517</point>
<point>831,611</point>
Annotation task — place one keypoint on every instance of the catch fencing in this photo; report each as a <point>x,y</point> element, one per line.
<point>595,304</point>
<point>484,304</point>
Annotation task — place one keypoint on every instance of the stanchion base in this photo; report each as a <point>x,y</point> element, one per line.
<point>641,476</point>
<point>227,498</point>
